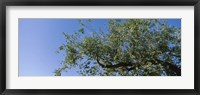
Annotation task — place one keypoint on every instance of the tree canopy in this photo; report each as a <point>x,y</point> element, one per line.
<point>129,47</point>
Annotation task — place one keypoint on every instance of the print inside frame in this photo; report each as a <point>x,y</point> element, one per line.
<point>99,47</point>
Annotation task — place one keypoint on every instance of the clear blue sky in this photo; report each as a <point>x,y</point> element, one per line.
<point>40,38</point>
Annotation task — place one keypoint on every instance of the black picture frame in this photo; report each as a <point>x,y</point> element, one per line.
<point>4,3</point>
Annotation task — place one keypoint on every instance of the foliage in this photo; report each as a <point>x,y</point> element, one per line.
<point>129,47</point>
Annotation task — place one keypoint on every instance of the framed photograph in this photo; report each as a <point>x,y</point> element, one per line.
<point>81,47</point>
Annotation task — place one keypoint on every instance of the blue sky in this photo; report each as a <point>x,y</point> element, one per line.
<point>40,38</point>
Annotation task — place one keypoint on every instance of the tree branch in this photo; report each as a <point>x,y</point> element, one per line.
<point>120,64</point>
<point>171,66</point>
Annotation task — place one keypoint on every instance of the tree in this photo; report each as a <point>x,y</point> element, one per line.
<point>130,47</point>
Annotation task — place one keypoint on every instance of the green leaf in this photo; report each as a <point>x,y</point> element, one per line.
<point>61,47</point>
<point>81,30</point>
<point>80,22</point>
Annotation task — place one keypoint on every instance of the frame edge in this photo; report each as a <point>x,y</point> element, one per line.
<point>3,48</point>
<point>101,2</point>
<point>197,45</point>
